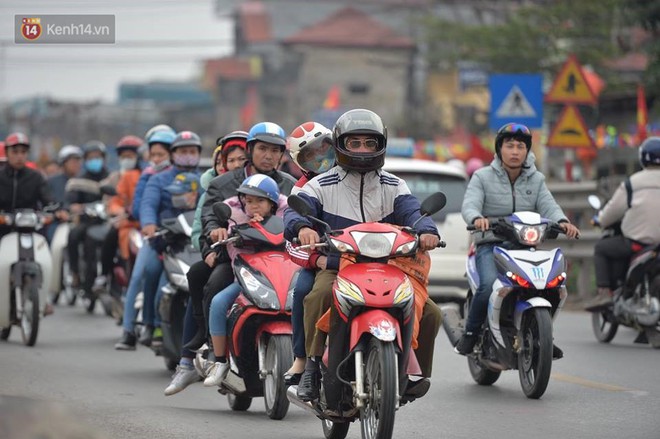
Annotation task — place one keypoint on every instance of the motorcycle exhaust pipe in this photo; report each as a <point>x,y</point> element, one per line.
<point>293,397</point>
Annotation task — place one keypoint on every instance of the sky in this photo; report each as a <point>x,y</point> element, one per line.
<point>154,40</point>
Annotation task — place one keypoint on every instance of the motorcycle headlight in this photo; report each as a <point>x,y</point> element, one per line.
<point>258,289</point>
<point>348,295</point>
<point>530,235</point>
<point>374,245</point>
<point>26,219</point>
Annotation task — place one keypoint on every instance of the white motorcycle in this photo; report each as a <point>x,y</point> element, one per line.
<point>25,270</point>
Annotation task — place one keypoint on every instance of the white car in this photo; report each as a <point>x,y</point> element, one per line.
<point>447,281</point>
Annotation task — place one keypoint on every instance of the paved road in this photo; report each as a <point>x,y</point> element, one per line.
<point>597,391</point>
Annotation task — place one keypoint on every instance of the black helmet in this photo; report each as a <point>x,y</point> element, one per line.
<point>512,130</point>
<point>94,146</point>
<point>649,152</point>
<point>359,122</point>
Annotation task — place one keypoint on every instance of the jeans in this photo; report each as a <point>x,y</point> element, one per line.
<point>219,306</point>
<point>146,262</point>
<point>303,286</point>
<point>487,270</point>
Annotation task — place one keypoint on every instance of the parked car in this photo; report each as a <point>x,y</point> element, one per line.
<point>447,281</point>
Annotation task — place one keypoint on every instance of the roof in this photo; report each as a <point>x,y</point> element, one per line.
<point>350,27</point>
<point>231,68</point>
<point>632,62</point>
<point>254,22</point>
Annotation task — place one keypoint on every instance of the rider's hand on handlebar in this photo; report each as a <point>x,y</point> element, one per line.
<point>219,234</point>
<point>149,230</point>
<point>307,236</point>
<point>570,230</point>
<point>428,241</point>
<point>481,224</point>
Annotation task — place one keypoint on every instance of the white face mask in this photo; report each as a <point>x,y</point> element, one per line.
<point>127,164</point>
<point>160,166</point>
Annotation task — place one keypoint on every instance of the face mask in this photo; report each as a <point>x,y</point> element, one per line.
<point>127,164</point>
<point>186,161</point>
<point>94,165</point>
<point>159,167</point>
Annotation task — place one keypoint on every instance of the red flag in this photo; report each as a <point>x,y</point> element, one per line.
<point>642,114</point>
<point>478,151</point>
<point>249,110</point>
<point>332,99</point>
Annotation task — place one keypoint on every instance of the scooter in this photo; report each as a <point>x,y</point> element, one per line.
<point>25,270</point>
<point>259,323</point>
<point>637,300</point>
<point>369,357</point>
<point>178,255</point>
<point>528,294</point>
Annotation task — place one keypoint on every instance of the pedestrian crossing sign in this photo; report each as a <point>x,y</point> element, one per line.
<point>571,86</point>
<point>570,131</point>
<point>516,98</point>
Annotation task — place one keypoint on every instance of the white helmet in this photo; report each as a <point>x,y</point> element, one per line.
<point>311,148</point>
<point>68,151</point>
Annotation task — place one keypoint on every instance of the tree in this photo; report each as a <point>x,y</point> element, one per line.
<point>646,13</point>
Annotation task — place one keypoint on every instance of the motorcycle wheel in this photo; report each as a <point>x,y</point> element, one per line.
<point>535,356</point>
<point>4,334</point>
<point>278,361</point>
<point>70,293</point>
<point>335,430</point>
<point>481,374</point>
<point>29,317</point>
<point>604,326</point>
<point>239,403</point>
<point>380,382</point>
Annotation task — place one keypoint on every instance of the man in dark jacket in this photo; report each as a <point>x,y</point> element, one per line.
<point>22,187</point>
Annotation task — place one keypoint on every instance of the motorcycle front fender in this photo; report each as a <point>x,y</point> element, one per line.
<point>522,306</point>
<point>377,322</point>
<point>274,327</point>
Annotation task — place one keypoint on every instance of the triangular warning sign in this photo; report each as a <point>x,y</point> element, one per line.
<point>570,131</point>
<point>515,104</point>
<point>571,86</point>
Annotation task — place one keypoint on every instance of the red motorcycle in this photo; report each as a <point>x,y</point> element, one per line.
<point>367,362</point>
<point>259,324</point>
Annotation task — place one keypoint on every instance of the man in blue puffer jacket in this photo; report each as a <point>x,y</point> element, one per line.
<point>511,183</point>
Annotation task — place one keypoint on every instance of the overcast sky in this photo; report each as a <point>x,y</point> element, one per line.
<point>95,71</point>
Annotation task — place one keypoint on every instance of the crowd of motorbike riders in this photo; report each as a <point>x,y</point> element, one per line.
<point>340,173</point>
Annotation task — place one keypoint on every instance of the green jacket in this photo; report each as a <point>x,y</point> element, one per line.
<point>204,180</point>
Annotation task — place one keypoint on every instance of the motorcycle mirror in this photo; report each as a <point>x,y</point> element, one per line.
<point>222,211</point>
<point>434,203</point>
<point>594,201</point>
<point>299,205</point>
<point>108,190</point>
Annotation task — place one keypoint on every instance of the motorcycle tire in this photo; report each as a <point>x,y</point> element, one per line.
<point>481,374</point>
<point>70,293</point>
<point>239,403</point>
<point>535,356</point>
<point>29,318</point>
<point>278,361</point>
<point>335,430</point>
<point>380,382</point>
<point>604,325</point>
<point>5,332</point>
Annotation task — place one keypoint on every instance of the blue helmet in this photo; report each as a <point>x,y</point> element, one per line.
<point>649,152</point>
<point>267,132</point>
<point>260,185</point>
<point>163,137</point>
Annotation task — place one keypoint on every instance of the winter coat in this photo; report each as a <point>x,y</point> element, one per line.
<point>156,204</point>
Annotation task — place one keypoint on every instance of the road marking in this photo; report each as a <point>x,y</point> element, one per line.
<point>594,384</point>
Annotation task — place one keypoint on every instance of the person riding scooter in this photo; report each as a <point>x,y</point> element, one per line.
<point>634,204</point>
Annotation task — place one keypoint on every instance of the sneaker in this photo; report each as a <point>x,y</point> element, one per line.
<point>310,382</point>
<point>602,300</point>
<point>157,339</point>
<point>182,378</point>
<point>466,344</point>
<point>127,342</point>
<point>556,352</point>
<point>147,336</point>
<point>99,283</point>
<point>217,373</point>
<point>417,389</point>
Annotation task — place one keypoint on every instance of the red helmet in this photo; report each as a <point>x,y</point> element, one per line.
<point>3,154</point>
<point>15,139</point>
<point>129,143</point>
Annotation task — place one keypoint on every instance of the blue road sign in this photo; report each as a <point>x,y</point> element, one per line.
<point>516,98</point>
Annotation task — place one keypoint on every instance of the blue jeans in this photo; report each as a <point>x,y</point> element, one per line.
<point>303,286</point>
<point>219,306</point>
<point>147,264</point>
<point>487,270</point>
